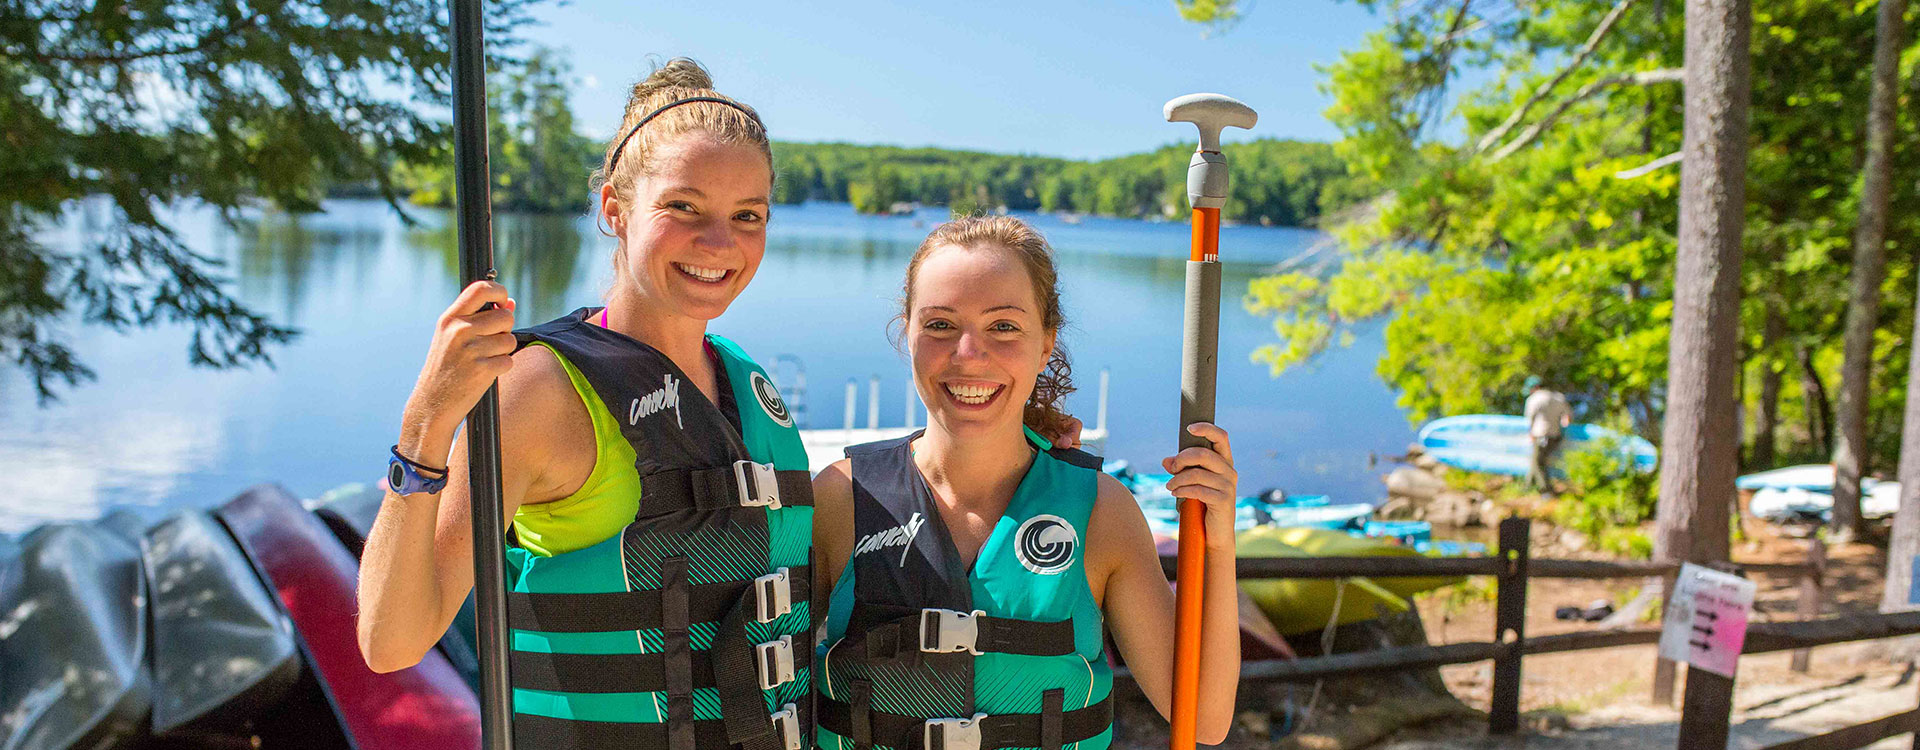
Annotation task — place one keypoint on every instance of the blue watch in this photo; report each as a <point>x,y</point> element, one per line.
<point>404,477</point>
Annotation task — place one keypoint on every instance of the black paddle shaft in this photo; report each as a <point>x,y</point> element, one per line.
<point>475,204</point>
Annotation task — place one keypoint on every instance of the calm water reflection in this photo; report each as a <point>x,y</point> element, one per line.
<point>364,287</point>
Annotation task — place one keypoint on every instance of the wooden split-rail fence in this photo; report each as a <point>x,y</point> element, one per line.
<point>1707,705</point>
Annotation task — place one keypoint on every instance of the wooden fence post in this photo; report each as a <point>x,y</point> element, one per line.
<point>1705,711</point>
<point>1509,626</point>
<point>1664,669</point>
<point>1810,590</point>
<point>1916,735</point>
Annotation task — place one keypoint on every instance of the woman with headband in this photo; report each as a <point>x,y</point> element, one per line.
<point>659,495</point>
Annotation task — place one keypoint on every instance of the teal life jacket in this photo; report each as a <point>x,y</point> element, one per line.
<point>689,629</point>
<point>921,654</point>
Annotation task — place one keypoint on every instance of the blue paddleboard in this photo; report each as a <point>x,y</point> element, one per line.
<point>1499,444</point>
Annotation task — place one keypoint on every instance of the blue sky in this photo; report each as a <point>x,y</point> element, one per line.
<point>1072,78</point>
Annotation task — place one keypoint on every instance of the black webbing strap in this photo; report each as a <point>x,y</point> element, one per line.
<point>883,641</point>
<point>996,732</point>
<point>633,610</point>
<point>600,673</point>
<point>861,730</point>
<point>1051,717</point>
<point>996,635</point>
<point>675,627</point>
<point>714,488</point>
<point>743,707</point>
<point>535,732</point>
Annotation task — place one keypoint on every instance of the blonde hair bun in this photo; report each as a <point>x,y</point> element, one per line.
<point>680,72</point>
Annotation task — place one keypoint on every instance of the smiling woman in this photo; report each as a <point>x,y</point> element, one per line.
<point>643,512</point>
<point>1029,555</point>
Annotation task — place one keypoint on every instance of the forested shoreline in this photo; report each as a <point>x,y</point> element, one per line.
<point>541,164</point>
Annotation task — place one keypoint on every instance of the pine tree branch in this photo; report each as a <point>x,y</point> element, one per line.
<point>213,38</point>
<point>1642,78</point>
<point>1649,167</point>
<point>1540,93</point>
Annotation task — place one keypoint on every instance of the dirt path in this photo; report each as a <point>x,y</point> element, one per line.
<point>1848,685</point>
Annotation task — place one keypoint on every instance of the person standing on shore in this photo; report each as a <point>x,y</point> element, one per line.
<point>658,491</point>
<point>976,568</point>
<point>1547,414</point>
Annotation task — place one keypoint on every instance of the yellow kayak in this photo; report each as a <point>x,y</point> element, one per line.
<point>1299,605</point>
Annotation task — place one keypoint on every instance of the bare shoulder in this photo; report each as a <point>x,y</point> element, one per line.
<point>1116,531</point>
<point>1115,512</point>
<point>833,517</point>
<point>544,424</point>
<point>833,496</point>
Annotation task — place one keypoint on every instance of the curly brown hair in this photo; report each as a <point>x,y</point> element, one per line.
<point>1043,412</point>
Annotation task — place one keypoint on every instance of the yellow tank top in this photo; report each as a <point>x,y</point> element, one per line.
<point>604,505</point>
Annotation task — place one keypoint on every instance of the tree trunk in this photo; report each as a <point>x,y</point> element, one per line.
<point>1767,419</point>
<point>1906,520</point>
<point>1814,392</point>
<point>1697,472</point>
<point>1869,264</point>
<point>1870,235</point>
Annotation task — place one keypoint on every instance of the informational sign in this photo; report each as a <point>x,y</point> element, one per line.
<point>1706,619</point>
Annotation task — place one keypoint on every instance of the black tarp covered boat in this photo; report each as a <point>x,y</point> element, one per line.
<point>74,639</point>
<point>223,652</point>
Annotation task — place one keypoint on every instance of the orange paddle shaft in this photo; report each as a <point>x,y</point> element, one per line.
<point>1195,407</point>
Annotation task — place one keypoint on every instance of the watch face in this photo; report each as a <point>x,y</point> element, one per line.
<point>396,476</point>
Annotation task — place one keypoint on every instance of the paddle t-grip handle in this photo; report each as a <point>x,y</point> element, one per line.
<point>1211,113</point>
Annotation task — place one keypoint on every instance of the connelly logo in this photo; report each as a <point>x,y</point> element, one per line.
<point>667,397</point>
<point>900,536</point>
<point>769,398</point>
<point>1045,544</point>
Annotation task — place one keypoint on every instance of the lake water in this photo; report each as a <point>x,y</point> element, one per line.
<point>153,433</point>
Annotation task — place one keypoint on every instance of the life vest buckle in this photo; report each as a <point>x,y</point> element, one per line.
<point>947,631</point>
<point>773,595</point>
<point>757,484</point>
<point>952,734</point>
<point>774,662</point>
<point>786,723</point>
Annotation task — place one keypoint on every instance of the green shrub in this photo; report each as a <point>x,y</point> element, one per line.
<point>1606,499</point>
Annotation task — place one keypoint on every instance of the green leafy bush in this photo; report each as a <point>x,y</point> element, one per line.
<point>1606,499</point>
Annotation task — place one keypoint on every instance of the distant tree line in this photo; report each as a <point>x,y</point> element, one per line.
<point>540,164</point>
<point>1283,182</point>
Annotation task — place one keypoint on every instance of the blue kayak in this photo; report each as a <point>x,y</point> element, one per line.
<point>1499,444</point>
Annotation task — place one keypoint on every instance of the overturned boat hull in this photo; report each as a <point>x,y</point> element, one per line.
<point>73,637</point>
<point>425,707</point>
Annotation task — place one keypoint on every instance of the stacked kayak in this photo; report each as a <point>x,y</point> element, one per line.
<point>1500,444</point>
<point>1300,605</point>
<point>1277,509</point>
<point>223,651</point>
<point>73,639</point>
<point>1163,510</point>
<point>1805,493</point>
<point>313,576</point>
<point>226,629</point>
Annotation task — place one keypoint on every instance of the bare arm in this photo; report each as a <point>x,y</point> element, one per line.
<point>418,564</point>
<point>832,531</point>
<point>1139,605</point>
